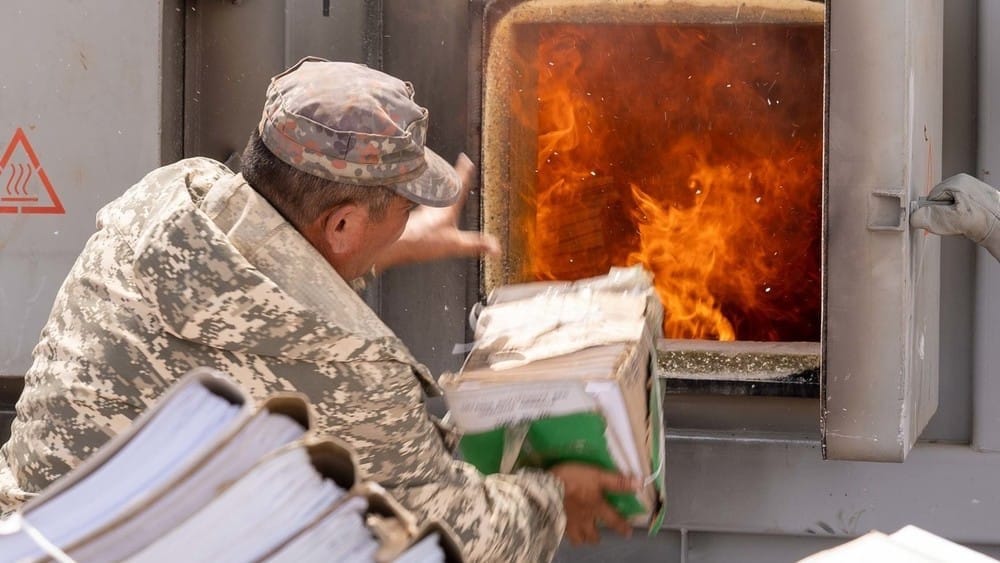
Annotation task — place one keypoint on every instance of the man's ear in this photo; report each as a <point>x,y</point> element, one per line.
<point>343,227</point>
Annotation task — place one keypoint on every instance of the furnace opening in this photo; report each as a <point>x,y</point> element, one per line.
<point>695,150</point>
<point>688,138</point>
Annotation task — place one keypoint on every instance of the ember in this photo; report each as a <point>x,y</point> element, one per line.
<point>696,150</point>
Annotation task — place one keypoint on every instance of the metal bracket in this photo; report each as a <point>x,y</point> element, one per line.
<point>885,210</point>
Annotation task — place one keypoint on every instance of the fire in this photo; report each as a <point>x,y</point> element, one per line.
<point>695,150</point>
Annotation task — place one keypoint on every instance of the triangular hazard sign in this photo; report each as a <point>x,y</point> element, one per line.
<point>20,176</point>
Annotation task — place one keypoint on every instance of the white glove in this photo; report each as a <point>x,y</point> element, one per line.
<point>975,212</point>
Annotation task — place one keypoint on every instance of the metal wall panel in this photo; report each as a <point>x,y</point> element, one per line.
<point>752,548</point>
<point>231,51</point>
<point>234,48</point>
<point>953,420</point>
<point>708,547</point>
<point>986,359</point>
<point>82,80</point>
<point>759,485</point>
<point>427,42</point>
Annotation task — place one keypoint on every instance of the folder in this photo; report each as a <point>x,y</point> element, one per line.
<point>204,475</point>
<point>280,420</point>
<point>378,529</point>
<point>566,371</point>
<point>270,502</point>
<point>183,427</point>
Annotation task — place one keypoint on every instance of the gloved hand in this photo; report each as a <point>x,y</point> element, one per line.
<point>975,213</point>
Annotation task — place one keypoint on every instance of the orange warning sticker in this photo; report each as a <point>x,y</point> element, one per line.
<point>21,176</point>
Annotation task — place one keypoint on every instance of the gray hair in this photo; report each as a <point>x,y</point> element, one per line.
<point>301,197</point>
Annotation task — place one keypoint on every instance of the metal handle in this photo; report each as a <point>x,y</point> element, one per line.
<point>924,201</point>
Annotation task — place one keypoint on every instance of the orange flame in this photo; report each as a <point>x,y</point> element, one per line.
<point>694,150</point>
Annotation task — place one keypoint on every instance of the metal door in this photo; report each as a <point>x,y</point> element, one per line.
<point>880,379</point>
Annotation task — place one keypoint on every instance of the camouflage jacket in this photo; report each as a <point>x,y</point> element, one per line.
<point>190,267</point>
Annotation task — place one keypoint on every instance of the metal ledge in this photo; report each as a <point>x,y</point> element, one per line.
<point>769,369</point>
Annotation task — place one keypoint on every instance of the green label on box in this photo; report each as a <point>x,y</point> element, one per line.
<point>550,441</point>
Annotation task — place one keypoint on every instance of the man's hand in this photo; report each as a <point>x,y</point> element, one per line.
<point>974,213</point>
<point>583,499</point>
<point>432,232</point>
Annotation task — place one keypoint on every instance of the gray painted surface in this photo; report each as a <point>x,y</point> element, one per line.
<point>781,417</point>
<point>986,359</point>
<point>232,51</point>
<point>708,547</point>
<point>737,498</point>
<point>234,48</point>
<point>769,486</point>
<point>426,42</point>
<point>713,547</point>
<point>665,547</point>
<point>881,312</point>
<point>953,420</point>
<point>83,81</point>
<point>746,478</point>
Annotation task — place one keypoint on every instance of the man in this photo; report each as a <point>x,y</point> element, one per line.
<point>249,274</point>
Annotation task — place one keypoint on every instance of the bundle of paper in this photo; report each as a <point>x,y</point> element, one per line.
<point>563,371</point>
<point>908,545</point>
<point>205,476</point>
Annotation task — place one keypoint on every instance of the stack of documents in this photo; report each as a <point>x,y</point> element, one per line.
<point>205,476</point>
<point>908,545</point>
<point>561,372</point>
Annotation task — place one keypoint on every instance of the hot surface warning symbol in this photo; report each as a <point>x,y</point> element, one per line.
<point>24,186</point>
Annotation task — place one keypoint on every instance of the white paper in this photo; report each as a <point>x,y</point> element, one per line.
<point>263,433</point>
<point>619,428</point>
<point>551,325</point>
<point>332,538</point>
<point>480,408</point>
<point>937,547</point>
<point>178,432</point>
<point>265,507</point>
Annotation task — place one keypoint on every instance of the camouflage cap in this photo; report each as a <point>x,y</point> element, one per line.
<point>349,123</point>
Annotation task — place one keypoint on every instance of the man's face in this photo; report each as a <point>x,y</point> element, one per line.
<point>377,236</point>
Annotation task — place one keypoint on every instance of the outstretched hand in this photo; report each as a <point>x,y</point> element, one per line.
<point>432,233</point>
<point>583,499</point>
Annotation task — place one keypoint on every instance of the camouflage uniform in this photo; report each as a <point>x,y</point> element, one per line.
<point>191,267</point>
